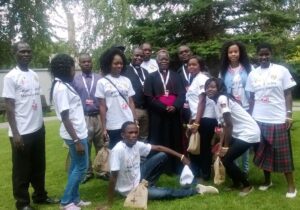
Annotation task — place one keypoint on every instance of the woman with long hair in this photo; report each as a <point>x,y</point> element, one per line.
<point>235,68</point>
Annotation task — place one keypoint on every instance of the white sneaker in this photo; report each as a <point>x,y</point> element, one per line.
<point>202,189</point>
<point>70,206</point>
<point>291,194</point>
<point>83,203</point>
<point>265,187</point>
<point>245,193</point>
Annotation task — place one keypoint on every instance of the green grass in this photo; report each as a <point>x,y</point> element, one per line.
<point>96,190</point>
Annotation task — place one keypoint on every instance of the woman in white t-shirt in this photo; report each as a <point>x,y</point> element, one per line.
<point>203,118</point>
<point>271,106</point>
<point>240,131</point>
<point>73,130</point>
<point>234,70</point>
<point>115,95</point>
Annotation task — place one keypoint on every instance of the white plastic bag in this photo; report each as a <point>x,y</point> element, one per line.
<point>187,176</point>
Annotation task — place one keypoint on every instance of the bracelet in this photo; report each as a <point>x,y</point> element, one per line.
<point>76,140</point>
<point>196,124</point>
<point>290,119</point>
<point>289,111</point>
<point>226,148</point>
<point>182,156</point>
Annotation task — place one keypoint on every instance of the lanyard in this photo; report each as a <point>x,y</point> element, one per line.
<point>187,77</point>
<point>86,87</point>
<point>165,82</point>
<point>135,71</point>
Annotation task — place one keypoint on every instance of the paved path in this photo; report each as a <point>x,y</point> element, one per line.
<point>296,107</point>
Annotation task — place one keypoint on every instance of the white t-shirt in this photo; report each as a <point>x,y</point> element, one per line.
<point>268,85</point>
<point>150,66</point>
<point>66,98</point>
<point>192,96</point>
<point>118,110</point>
<point>244,126</point>
<point>24,88</point>
<point>126,160</point>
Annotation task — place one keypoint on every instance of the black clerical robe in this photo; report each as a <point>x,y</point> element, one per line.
<point>165,128</point>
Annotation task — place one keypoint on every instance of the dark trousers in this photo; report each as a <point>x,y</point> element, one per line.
<point>29,168</point>
<point>114,137</point>
<point>201,164</point>
<point>236,149</point>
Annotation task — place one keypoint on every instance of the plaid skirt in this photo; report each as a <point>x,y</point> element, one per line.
<point>274,153</point>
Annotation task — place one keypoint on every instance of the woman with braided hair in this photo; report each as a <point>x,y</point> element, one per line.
<point>73,130</point>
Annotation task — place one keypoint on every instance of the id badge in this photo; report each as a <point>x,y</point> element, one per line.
<point>89,102</point>
<point>166,92</point>
<point>265,99</point>
<point>186,105</point>
<point>34,106</point>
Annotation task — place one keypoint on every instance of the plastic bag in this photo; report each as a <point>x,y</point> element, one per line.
<point>187,176</point>
<point>220,172</point>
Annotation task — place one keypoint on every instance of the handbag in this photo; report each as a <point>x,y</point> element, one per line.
<point>220,172</point>
<point>138,197</point>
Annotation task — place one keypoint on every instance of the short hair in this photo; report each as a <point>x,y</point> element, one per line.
<point>148,43</point>
<point>162,51</point>
<point>264,45</point>
<point>15,46</point>
<point>184,45</point>
<point>125,125</point>
<point>200,60</point>
<point>84,54</point>
<point>244,59</point>
<point>107,57</point>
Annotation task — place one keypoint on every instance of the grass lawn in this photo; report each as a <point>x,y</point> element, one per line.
<point>96,190</point>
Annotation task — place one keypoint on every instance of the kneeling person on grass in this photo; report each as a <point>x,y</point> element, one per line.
<point>126,170</point>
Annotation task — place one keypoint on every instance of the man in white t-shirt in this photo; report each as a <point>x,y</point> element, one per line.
<point>21,91</point>
<point>149,63</point>
<point>126,170</point>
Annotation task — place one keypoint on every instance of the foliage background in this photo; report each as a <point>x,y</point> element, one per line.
<point>202,24</point>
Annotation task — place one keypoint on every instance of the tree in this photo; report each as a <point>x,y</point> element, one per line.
<point>206,24</point>
<point>25,20</point>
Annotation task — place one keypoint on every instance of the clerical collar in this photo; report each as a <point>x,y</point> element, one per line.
<point>163,71</point>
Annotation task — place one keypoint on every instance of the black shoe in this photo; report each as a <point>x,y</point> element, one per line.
<point>87,178</point>
<point>26,208</point>
<point>48,200</point>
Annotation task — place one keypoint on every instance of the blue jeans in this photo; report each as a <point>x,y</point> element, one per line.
<point>151,169</point>
<point>77,171</point>
<point>245,162</point>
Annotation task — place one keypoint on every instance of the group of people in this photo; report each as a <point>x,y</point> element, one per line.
<point>141,110</point>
